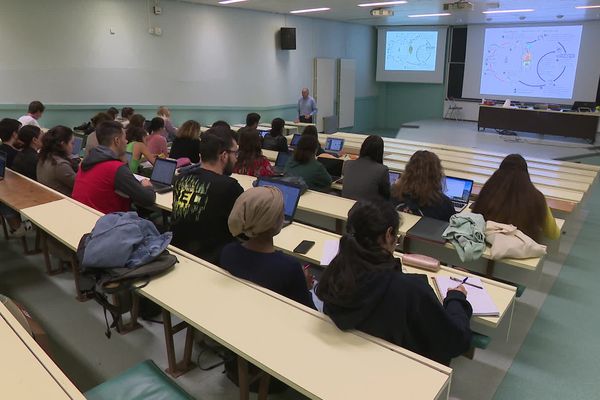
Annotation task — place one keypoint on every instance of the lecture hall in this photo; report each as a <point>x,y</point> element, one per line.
<point>299,199</point>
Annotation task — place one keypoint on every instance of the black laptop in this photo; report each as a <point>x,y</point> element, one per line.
<point>334,166</point>
<point>2,165</point>
<point>77,146</point>
<point>291,196</point>
<point>429,229</point>
<point>295,140</point>
<point>280,162</point>
<point>394,176</point>
<point>162,175</point>
<point>264,132</point>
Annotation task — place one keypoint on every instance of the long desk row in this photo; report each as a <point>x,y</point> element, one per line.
<point>301,352</point>
<point>26,371</point>
<point>337,208</point>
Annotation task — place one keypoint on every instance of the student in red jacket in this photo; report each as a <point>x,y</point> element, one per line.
<point>104,182</point>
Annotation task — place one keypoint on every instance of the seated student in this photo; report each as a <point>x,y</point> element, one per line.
<point>275,140</point>
<point>9,129</point>
<point>104,182</point>
<point>311,130</point>
<point>252,120</point>
<point>34,112</point>
<point>250,160</point>
<point>126,114</point>
<point>221,123</point>
<point>304,164</point>
<point>137,120</point>
<point>92,141</point>
<point>170,131</point>
<point>137,147</point>
<point>203,198</point>
<point>187,142</point>
<point>156,142</point>
<point>366,178</point>
<point>364,288</point>
<point>26,161</point>
<point>113,112</point>
<point>9,134</point>
<point>419,189</point>
<point>54,167</point>
<point>257,217</point>
<point>509,197</point>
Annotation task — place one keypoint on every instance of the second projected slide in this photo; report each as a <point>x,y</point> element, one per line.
<point>410,50</point>
<point>530,61</point>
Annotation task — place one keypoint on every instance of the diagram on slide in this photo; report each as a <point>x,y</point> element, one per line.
<point>530,61</point>
<point>410,51</point>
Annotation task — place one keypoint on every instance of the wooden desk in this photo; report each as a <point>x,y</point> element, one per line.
<point>546,122</point>
<point>346,353</point>
<point>18,192</point>
<point>26,371</point>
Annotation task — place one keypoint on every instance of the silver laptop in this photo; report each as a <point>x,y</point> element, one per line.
<point>459,191</point>
<point>162,175</point>
<point>334,146</point>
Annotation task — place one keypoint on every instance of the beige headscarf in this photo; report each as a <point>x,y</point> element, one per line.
<point>256,211</point>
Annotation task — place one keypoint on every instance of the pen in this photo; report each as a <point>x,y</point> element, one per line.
<point>464,281</point>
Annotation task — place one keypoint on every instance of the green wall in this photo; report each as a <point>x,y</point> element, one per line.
<point>73,115</point>
<point>399,103</point>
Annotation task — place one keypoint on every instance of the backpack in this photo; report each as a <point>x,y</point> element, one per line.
<point>99,283</point>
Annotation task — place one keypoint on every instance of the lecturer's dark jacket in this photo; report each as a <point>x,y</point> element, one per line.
<point>403,309</point>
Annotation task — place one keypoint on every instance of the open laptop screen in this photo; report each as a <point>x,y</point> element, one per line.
<point>295,139</point>
<point>334,166</point>
<point>163,171</point>
<point>458,189</point>
<point>393,177</point>
<point>77,144</point>
<point>291,195</point>
<point>263,133</point>
<point>282,159</point>
<point>334,144</point>
<point>2,164</point>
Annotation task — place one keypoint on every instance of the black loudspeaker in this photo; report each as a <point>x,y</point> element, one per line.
<point>288,38</point>
<point>598,93</point>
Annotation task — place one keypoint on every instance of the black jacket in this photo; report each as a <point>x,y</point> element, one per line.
<point>403,309</point>
<point>26,163</point>
<point>442,210</point>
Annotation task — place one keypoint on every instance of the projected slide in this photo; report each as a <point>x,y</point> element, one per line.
<point>410,50</point>
<point>530,61</point>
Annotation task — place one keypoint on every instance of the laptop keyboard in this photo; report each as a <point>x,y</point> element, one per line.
<point>458,205</point>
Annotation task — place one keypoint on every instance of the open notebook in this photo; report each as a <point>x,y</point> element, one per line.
<point>480,299</point>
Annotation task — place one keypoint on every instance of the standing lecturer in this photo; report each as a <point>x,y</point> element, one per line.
<point>307,108</point>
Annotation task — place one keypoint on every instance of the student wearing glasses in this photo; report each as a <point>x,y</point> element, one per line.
<point>364,288</point>
<point>203,198</point>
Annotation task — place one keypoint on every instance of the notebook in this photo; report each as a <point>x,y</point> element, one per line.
<point>280,162</point>
<point>295,140</point>
<point>459,191</point>
<point>291,196</point>
<point>2,164</point>
<point>429,229</point>
<point>162,175</point>
<point>477,295</point>
<point>334,146</point>
<point>334,166</point>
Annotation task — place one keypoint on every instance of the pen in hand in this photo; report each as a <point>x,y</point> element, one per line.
<point>464,282</point>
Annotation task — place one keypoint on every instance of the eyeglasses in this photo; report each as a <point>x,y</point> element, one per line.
<point>236,152</point>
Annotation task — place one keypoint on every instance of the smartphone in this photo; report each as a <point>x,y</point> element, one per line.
<point>304,247</point>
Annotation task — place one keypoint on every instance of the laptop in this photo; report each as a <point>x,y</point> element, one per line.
<point>428,229</point>
<point>333,165</point>
<point>77,145</point>
<point>280,162</point>
<point>263,133</point>
<point>162,175</point>
<point>291,196</point>
<point>334,146</point>
<point>459,191</point>
<point>394,176</point>
<point>295,140</point>
<point>2,164</point>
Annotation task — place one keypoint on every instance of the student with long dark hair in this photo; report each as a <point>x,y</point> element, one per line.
<point>250,160</point>
<point>136,145</point>
<point>366,178</point>
<point>275,140</point>
<point>311,130</point>
<point>26,161</point>
<point>304,164</point>
<point>509,197</point>
<point>364,288</point>
<point>419,189</point>
<point>54,168</point>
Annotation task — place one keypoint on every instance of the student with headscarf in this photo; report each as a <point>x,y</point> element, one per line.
<point>256,217</point>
